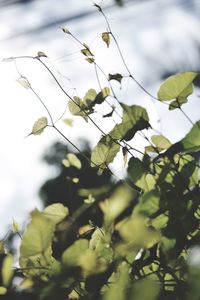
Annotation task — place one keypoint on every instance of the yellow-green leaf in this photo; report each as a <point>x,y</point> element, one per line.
<point>56,212</point>
<point>161,142</point>
<point>39,126</point>
<point>7,270</point>
<point>104,152</point>
<point>3,290</point>
<point>179,85</point>
<point>106,38</point>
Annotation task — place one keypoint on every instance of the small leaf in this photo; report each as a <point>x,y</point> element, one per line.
<point>71,255</point>
<point>135,118</point>
<point>15,227</point>
<point>118,77</point>
<point>3,290</point>
<point>75,180</point>
<point>179,85</point>
<point>2,247</point>
<point>86,51</point>
<point>7,270</point>
<point>39,126</point>
<point>102,95</point>
<point>68,122</point>
<point>161,142</point>
<point>38,235</point>
<point>65,30</point>
<point>90,60</point>
<point>56,212</point>
<point>90,199</point>
<point>104,152</point>
<point>177,103</point>
<point>41,54</point>
<point>24,82</point>
<point>74,161</point>
<point>106,38</point>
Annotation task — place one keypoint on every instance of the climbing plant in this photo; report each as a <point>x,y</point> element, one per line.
<point>150,219</point>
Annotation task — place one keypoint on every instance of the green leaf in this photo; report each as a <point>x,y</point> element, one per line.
<point>77,107</point>
<point>161,142</point>
<point>135,118</point>
<point>74,161</point>
<point>89,97</point>
<point>39,126</point>
<point>68,122</point>
<point>117,76</point>
<point>139,174</point>
<point>41,54</point>
<point>38,235</point>
<point>148,203</point>
<point>71,255</point>
<point>3,290</point>
<point>178,103</point>
<point>104,152</point>
<point>86,51</point>
<point>102,95</point>
<point>190,143</point>
<point>15,226</point>
<point>106,38</point>
<point>7,270</point>
<point>56,212</point>
<point>118,201</point>
<point>2,247</point>
<point>135,231</point>
<point>177,86</point>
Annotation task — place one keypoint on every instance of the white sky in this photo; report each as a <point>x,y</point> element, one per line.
<point>154,38</point>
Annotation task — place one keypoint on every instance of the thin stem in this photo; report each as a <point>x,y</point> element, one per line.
<point>44,105</point>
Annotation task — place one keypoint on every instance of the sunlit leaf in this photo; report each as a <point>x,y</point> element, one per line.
<point>77,107</point>
<point>38,235</point>
<point>148,203</point>
<point>136,231</point>
<point>177,86</point>
<point>41,54</point>
<point>7,270</point>
<point>135,118</point>
<point>178,103</point>
<point>139,174</point>
<point>118,202</point>
<point>68,122</point>
<point>56,212</point>
<point>3,290</point>
<point>71,255</point>
<point>106,38</point>
<point>104,152</point>
<point>190,143</point>
<point>117,76</point>
<point>161,142</point>
<point>15,226</point>
<point>87,52</point>
<point>90,199</point>
<point>74,161</point>
<point>102,95</point>
<point>2,247</point>
<point>39,126</point>
<point>89,97</point>
<point>119,282</point>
